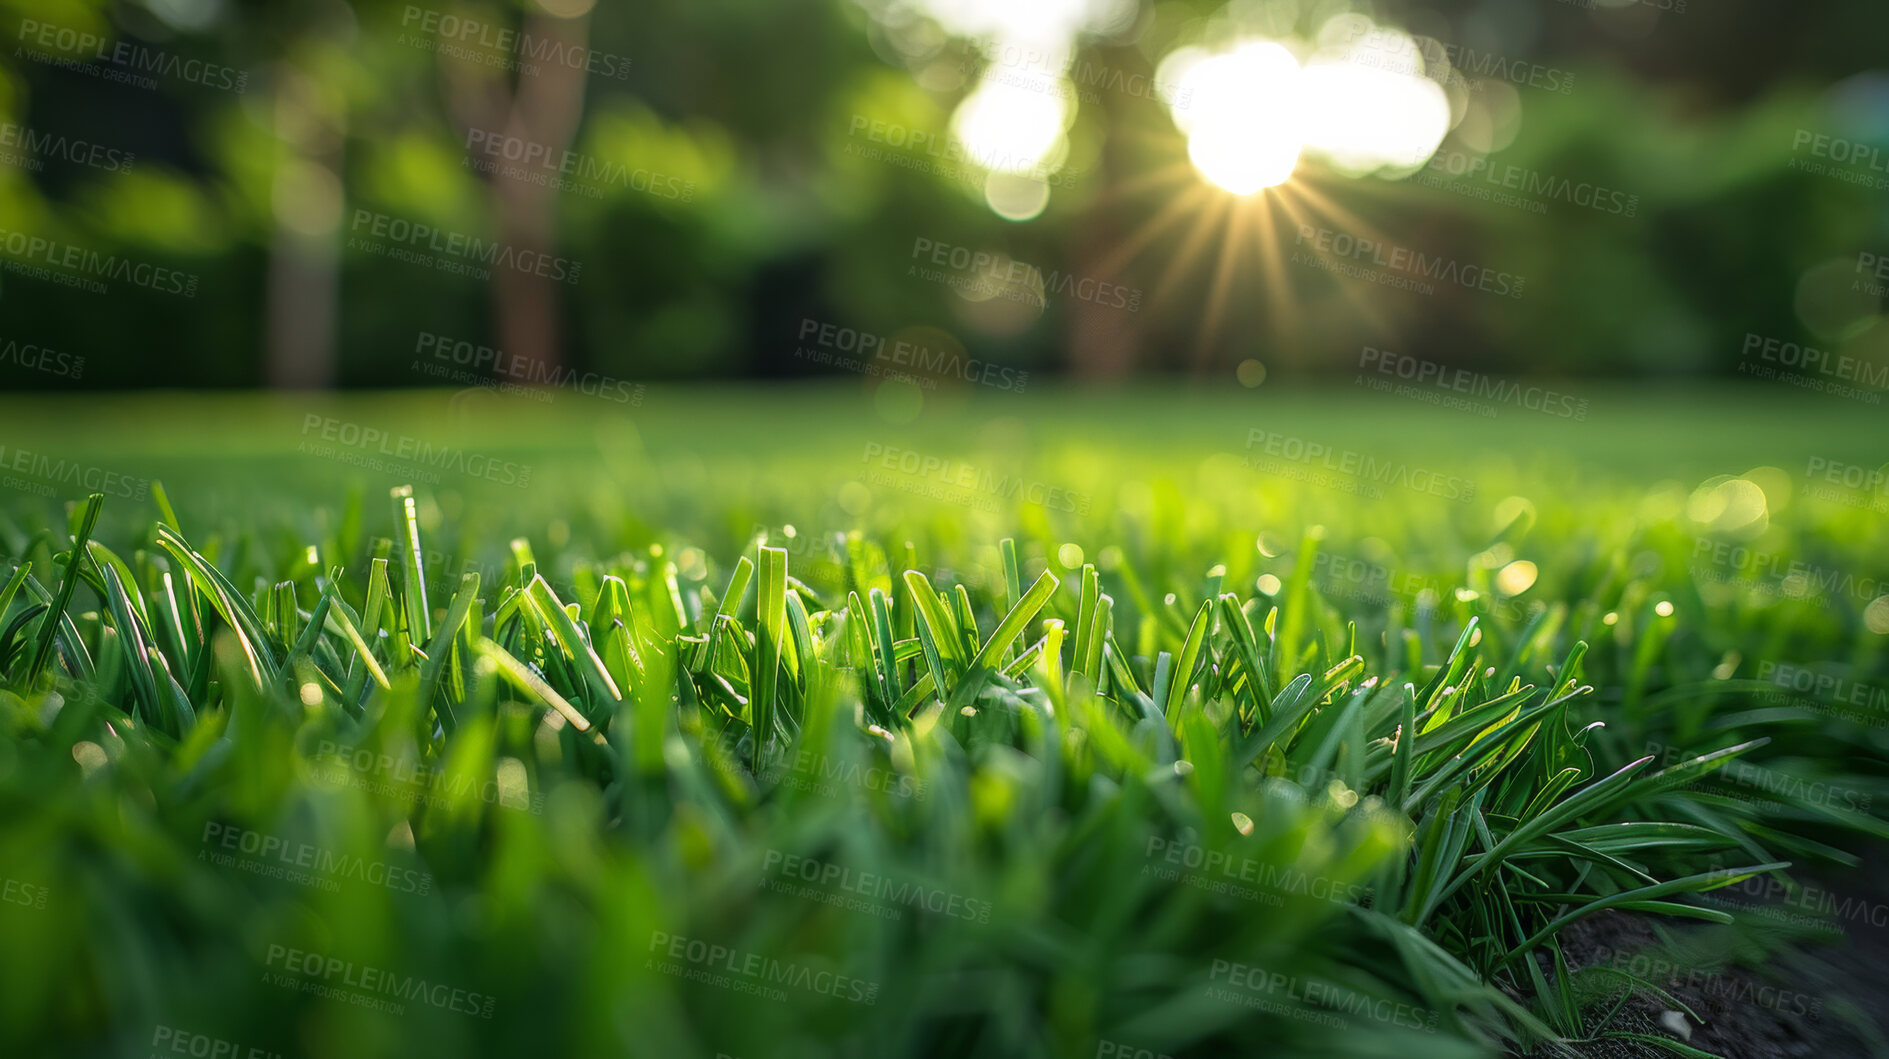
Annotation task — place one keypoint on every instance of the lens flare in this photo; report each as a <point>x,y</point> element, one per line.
<point>1365,119</point>
<point>1365,103</point>
<point>1242,116</point>
<point>1009,129</point>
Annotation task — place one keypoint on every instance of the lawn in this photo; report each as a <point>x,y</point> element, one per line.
<point>806,723</point>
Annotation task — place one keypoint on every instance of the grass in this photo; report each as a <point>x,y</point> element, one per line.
<point>1027,738</point>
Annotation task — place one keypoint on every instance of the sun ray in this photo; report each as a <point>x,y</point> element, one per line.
<point>1175,212</point>
<point>1230,248</point>
<point>1329,208</point>
<point>1359,300</point>
<point>1272,265</point>
<point>1195,243</point>
<point>1267,124</point>
<point>1180,174</point>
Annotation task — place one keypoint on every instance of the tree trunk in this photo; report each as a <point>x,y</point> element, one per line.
<point>542,107</point>
<point>304,282</point>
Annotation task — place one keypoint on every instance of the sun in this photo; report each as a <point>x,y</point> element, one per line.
<point>1271,127</point>
<point>1242,115</point>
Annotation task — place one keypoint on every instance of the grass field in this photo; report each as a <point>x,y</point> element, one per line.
<point>1159,722</point>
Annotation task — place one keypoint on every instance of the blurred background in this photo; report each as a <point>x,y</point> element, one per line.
<point>997,193</point>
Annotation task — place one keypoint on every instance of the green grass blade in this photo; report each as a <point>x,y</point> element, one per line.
<point>49,623</point>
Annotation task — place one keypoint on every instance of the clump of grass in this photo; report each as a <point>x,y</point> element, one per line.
<point>729,812</point>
